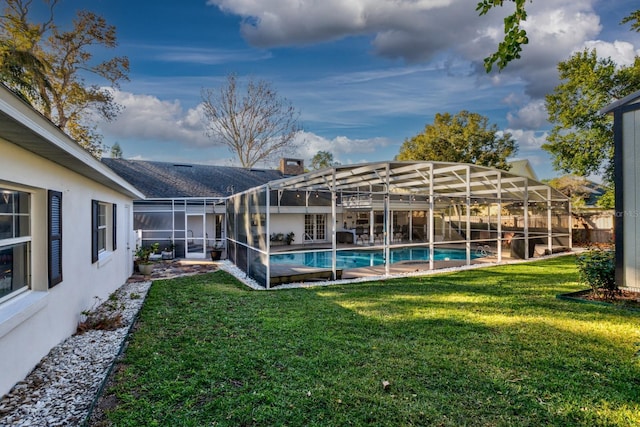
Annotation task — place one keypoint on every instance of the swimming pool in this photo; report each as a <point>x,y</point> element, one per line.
<point>368,258</point>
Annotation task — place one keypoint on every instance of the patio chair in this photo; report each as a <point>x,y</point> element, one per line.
<point>379,233</point>
<point>404,230</point>
<point>397,234</point>
<point>360,233</point>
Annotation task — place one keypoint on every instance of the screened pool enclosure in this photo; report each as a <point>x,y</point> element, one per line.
<point>189,226</point>
<point>391,217</point>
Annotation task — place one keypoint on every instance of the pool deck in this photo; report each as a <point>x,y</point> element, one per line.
<point>404,267</point>
<point>288,273</point>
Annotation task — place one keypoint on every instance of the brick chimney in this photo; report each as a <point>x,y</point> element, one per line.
<point>291,166</point>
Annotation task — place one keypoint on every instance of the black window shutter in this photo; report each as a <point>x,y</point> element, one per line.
<point>114,228</point>
<point>54,215</point>
<point>94,230</point>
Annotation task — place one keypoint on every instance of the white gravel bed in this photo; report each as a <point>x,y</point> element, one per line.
<point>61,389</point>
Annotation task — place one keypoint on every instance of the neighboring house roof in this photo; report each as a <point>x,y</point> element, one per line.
<point>523,168</point>
<point>161,180</point>
<point>594,191</point>
<point>25,127</point>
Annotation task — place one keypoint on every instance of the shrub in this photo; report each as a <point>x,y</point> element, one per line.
<point>106,317</point>
<point>597,269</point>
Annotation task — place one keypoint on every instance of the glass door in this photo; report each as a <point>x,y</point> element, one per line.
<point>196,245</point>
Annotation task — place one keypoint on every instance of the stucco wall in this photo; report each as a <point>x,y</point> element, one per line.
<point>35,321</point>
<point>286,223</point>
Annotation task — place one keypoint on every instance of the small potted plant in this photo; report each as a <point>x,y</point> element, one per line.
<point>216,251</point>
<point>290,237</point>
<point>143,253</point>
<point>169,251</point>
<point>276,239</point>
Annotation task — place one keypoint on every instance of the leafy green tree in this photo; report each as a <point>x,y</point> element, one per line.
<point>255,123</point>
<point>323,159</point>
<point>608,199</point>
<point>634,19</point>
<point>116,151</point>
<point>581,140</point>
<point>466,137</point>
<point>64,58</point>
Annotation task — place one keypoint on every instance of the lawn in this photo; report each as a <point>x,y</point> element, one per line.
<point>485,347</point>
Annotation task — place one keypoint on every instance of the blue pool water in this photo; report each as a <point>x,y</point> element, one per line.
<point>365,258</point>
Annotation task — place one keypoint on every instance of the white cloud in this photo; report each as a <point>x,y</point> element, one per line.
<point>151,121</point>
<point>554,31</point>
<point>279,22</point>
<point>188,54</point>
<point>149,118</point>
<point>341,147</point>
<point>417,31</point>
<point>532,116</point>
<point>528,140</point>
<point>621,52</point>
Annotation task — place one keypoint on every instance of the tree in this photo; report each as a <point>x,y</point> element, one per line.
<point>323,159</point>
<point>64,58</point>
<point>256,125</point>
<point>465,137</point>
<point>24,72</point>
<point>581,140</point>
<point>515,36</point>
<point>116,151</point>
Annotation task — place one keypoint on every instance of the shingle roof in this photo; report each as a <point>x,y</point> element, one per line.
<point>171,180</point>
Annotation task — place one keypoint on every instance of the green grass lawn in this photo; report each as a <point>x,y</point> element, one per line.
<point>485,347</point>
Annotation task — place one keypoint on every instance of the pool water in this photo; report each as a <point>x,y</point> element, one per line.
<point>365,258</point>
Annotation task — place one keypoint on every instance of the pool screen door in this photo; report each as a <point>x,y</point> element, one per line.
<point>195,236</point>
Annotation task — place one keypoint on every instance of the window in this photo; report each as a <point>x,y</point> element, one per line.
<point>15,241</point>
<point>102,227</point>
<point>103,223</point>
<point>314,227</point>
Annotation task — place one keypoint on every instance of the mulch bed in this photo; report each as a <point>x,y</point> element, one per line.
<point>169,269</point>
<point>625,299</point>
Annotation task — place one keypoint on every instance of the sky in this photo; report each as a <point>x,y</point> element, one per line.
<point>365,75</point>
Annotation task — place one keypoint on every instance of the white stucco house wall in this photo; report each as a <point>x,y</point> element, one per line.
<point>65,236</point>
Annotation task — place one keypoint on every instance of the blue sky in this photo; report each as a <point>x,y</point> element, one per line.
<point>365,74</point>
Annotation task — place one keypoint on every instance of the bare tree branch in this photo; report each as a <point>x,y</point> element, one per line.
<point>256,125</point>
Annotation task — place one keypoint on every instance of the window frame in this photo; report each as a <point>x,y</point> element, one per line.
<point>18,238</point>
<point>103,229</point>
